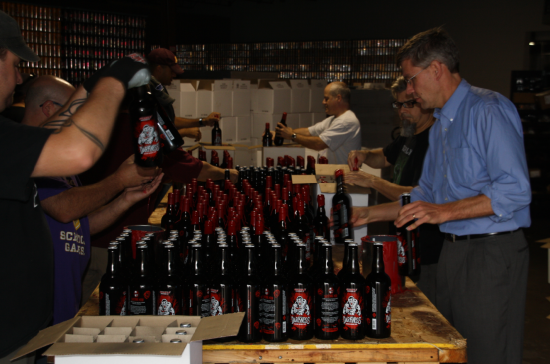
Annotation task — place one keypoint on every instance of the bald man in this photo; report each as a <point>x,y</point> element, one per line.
<point>335,136</point>
<point>73,212</point>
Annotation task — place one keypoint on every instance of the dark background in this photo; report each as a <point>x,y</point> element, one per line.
<point>492,35</point>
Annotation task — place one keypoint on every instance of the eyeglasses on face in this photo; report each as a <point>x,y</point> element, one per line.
<point>407,104</point>
<point>413,76</point>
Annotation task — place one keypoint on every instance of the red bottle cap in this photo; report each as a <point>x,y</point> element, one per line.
<point>208,227</point>
<point>195,218</point>
<point>176,195</point>
<point>338,173</point>
<point>281,161</point>
<point>184,205</point>
<point>278,190</point>
<point>170,198</point>
<point>269,182</point>
<point>269,162</point>
<point>321,200</point>
<point>229,163</point>
<point>232,228</point>
<point>259,225</point>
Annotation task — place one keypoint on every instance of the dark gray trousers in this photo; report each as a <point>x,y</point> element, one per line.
<point>481,290</point>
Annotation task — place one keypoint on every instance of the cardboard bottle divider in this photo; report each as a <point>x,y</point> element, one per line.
<point>88,339</point>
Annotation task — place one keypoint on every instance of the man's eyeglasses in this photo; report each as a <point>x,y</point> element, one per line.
<point>407,104</point>
<point>416,74</point>
<point>53,102</point>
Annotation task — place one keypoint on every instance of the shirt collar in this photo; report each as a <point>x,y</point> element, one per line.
<point>450,109</point>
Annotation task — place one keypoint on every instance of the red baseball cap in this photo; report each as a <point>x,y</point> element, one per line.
<point>164,57</point>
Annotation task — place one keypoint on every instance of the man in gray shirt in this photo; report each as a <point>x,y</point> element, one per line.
<point>336,136</point>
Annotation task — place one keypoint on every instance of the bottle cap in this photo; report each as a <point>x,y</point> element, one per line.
<point>338,173</point>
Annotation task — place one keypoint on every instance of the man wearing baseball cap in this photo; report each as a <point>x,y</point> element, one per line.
<point>164,68</point>
<point>84,126</point>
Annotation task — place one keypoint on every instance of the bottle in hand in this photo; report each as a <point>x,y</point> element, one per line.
<point>279,140</point>
<point>216,134</point>
<point>144,120</point>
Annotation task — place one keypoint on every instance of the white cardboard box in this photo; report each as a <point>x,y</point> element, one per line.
<point>273,97</point>
<point>241,98</point>
<point>244,126</point>
<point>293,121</point>
<point>319,116</point>
<point>306,119</point>
<point>316,95</point>
<point>222,97</point>
<point>254,97</point>
<point>185,94</point>
<point>259,121</point>
<point>299,96</point>
<point>70,344</point>
<point>229,129</point>
<point>204,98</point>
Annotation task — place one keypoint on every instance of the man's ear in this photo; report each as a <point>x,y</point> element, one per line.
<point>437,68</point>
<point>48,108</point>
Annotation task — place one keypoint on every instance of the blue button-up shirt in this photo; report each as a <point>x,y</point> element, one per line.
<point>476,147</point>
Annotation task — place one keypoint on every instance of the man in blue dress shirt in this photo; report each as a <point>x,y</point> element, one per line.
<point>475,185</point>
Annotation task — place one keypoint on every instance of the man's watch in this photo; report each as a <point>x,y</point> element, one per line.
<point>200,122</point>
<point>294,136</point>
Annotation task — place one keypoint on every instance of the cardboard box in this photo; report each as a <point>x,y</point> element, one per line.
<point>254,97</point>
<point>326,184</point>
<point>524,98</point>
<point>273,97</point>
<point>222,97</point>
<point>258,124</point>
<point>185,93</point>
<point>204,98</point>
<point>316,95</point>
<point>299,96</point>
<point>543,100</point>
<point>109,339</point>
<point>319,116</point>
<point>229,129</point>
<point>244,126</point>
<point>306,120</point>
<point>241,98</point>
<point>293,121</point>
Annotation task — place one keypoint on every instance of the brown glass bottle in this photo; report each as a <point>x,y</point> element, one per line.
<point>168,290</point>
<point>198,285</point>
<point>146,138</point>
<point>321,221</point>
<point>327,305</point>
<point>378,302</point>
<point>408,258</point>
<point>301,296</point>
<point>279,140</point>
<point>113,287</point>
<point>352,297</point>
<point>341,210</point>
<point>216,134</point>
<point>273,304</point>
<point>267,141</point>
<point>142,285</point>
<point>168,221</point>
<point>223,287</point>
<point>248,298</point>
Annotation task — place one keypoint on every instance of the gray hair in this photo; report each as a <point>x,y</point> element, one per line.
<point>340,88</point>
<point>428,46</point>
<point>398,86</point>
<point>3,53</point>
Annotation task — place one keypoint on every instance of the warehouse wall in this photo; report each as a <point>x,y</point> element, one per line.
<point>491,34</point>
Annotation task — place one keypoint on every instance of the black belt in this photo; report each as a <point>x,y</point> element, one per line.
<point>453,237</point>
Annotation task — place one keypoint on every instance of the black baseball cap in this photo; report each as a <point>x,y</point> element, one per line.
<point>11,38</point>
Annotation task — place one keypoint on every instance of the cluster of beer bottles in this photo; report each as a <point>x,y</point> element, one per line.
<point>255,247</point>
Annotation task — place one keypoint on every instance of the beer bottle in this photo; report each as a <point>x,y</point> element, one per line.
<point>184,227</point>
<point>282,231</point>
<point>168,221</point>
<point>310,169</point>
<point>327,305</point>
<point>169,288</point>
<point>378,289</point>
<point>146,139</point>
<point>142,285</point>
<point>222,289</point>
<point>345,261</point>
<point>113,287</point>
<point>302,229</point>
<point>341,210</point>
<point>279,140</point>
<point>267,141</point>
<point>198,285</point>
<point>352,301</point>
<point>170,138</point>
<point>216,134</point>
<point>408,258</point>
<point>248,299</point>
<point>301,298</point>
<point>321,220</point>
<point>273,303</point>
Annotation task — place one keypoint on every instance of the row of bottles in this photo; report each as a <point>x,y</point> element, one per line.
<point>232,249</point>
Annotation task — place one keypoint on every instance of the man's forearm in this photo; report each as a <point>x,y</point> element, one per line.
<point>182,123</point>
<point>375,158</point>
<point>468,208</point>
<point>388,189</point>
<point>311,142</point>
<point>209,171</point>
<point>83,130</point>
<point>365,215</point>
<point>105,216</point>
<point>77,202</point>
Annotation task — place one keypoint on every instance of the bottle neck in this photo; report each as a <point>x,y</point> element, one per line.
<point>277,261</point>
<point>112,261</point>
<point>340,185</point>
<point>378,261</point>
<point>250,262</point>
<point>144,268</point>
<point>300,262</point>
<point>197,261</point>
<point>353,260</point>
<point>327,267</point>
<point>170,261</point>
<point>224,262</point>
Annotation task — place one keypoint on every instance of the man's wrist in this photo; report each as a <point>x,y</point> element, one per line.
<point>201,122</point>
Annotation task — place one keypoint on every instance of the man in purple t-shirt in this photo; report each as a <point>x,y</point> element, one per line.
<point>73,212</point>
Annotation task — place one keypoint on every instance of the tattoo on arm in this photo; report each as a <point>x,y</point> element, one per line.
<point>71,110</point>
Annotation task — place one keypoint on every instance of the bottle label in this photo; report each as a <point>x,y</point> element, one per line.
<point>218,139</point>
<point>206,304</point>
<point>329,308</point>
<point>147,137</point>
<point>217,304</point>
<point>142,302</point>
<point>341,219</point>
<point>116,307</point>
<point>387,304</point>
<point>375,308</point>
<point>267,312</point>
<point>352,309</point>
<point>401,250</point>
<point>167,303</point>
<point>252,296</point>
<point>300,313</point>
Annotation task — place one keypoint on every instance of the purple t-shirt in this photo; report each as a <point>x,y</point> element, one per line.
<point>71,244</point>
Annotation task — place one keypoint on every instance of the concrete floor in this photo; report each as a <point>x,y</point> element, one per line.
<point>537,325</point>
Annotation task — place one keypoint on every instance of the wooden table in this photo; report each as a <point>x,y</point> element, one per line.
<point>420,334</point>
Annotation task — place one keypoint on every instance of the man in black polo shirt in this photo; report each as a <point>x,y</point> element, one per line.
<point>84,126</point>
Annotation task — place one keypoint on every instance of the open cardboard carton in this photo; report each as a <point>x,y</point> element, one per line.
<point>324,177</point>
<point>88,339</point>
